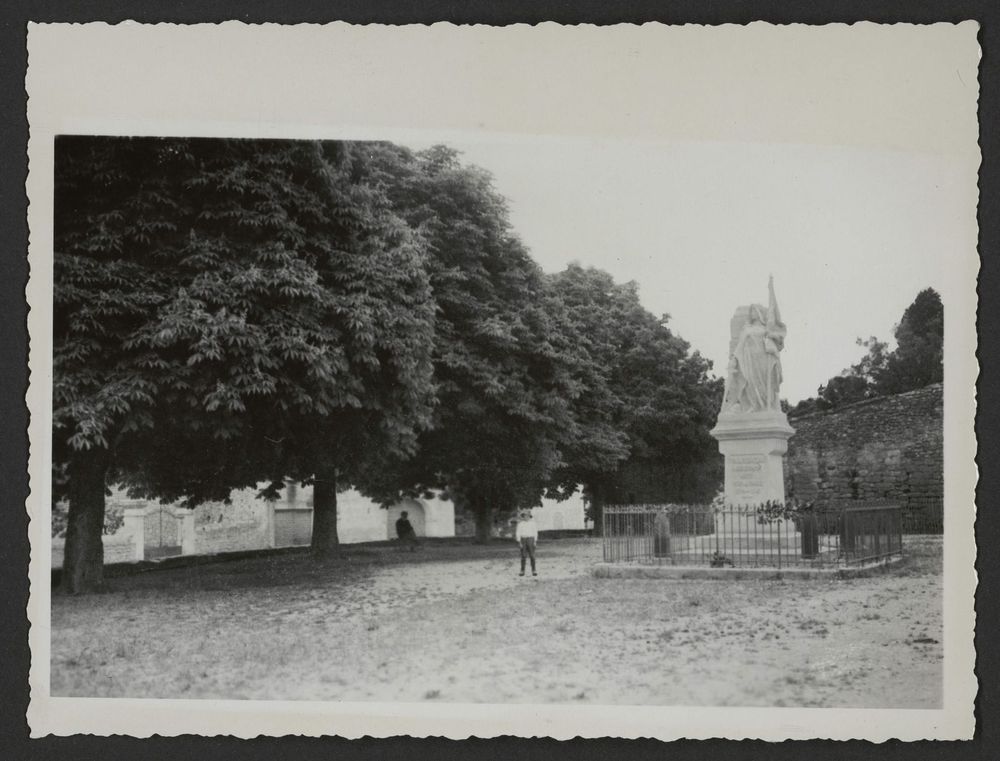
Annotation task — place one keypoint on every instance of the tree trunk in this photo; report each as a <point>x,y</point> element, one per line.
<point>484,523</point>
<point>324,529</point>
<point>83,559</point>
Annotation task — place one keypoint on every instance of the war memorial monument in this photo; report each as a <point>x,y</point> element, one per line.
<point>752,430</point>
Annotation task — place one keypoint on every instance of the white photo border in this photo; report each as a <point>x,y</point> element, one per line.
<point>620,82</point>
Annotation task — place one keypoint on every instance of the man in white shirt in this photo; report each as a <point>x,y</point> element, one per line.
<point>526,535</point>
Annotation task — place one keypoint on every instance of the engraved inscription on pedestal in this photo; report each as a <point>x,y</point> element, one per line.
<point>748,479</point>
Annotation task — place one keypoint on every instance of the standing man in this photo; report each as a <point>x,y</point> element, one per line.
<point>405,532</point>
<point>526,535</point>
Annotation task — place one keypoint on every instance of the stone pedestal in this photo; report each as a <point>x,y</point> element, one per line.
<point>753,443</point>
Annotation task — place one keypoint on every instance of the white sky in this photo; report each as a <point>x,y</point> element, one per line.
<point>851,234</point>
<point>694,160</point>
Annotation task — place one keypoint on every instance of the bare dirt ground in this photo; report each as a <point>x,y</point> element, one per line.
<point>455,623</point>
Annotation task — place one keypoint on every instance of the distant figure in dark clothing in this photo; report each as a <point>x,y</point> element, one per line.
<point>405,532</point>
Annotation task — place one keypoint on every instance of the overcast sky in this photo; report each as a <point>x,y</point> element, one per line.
<point>850,234</point>
<point>840,158</point>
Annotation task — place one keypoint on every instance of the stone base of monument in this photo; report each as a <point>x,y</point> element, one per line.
<point>771,541</point>
<point>753,444</point>
<point>638,571</point>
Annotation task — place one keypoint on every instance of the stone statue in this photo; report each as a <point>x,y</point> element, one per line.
<point>752,431</point>
<point>754,373</point>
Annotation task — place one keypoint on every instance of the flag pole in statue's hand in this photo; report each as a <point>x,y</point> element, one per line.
<point>773,315</point>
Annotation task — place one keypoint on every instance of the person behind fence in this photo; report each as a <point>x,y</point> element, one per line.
<point>661,534</point>
<point>526,535</point>
<point>405,532</point>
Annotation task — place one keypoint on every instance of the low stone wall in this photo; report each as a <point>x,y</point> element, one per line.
<point>244,536</point>
<point>118,548</point>
<point>248,523</point>
<point>888,448</point>
<point>684,573</point>
<point>240,525</point>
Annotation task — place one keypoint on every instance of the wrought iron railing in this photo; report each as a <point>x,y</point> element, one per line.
<point>923,516</point>
<point>770,535</point>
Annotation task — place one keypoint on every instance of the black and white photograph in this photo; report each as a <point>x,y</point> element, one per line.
<point>648,401</point>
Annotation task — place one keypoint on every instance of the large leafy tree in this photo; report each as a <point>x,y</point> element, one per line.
<point>506,356</point>
<point>664,401</point>
<point>226,310</point>
<point>546,382</point>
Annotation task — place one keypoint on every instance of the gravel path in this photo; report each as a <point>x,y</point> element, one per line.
<point>456,623</point>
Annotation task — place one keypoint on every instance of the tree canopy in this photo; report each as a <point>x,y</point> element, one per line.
<point>229,312</point>
<point>505,366</point>
<point>917,361</point>
<point>225,311</point>
<point>662,402</point>
<point>546,382</point>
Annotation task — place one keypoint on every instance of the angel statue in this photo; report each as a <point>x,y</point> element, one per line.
<point>754,372</point>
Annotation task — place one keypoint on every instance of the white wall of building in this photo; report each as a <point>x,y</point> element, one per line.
<point>554,515</point>
<point>359,519</point>
<point>439,516</point>
<point>249,523</point>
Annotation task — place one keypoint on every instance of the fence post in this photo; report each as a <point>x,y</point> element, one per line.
<point>606,550</point>
<point>780,525</point>
<point>809,534</point>
<point>134,523</point>
<point>661,534</point>
<point>899,526</point>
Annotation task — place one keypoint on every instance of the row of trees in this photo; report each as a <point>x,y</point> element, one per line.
<point>917,361</point>
<point>231,312</point>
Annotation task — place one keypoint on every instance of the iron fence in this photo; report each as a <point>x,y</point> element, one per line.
<point>771,535</point>
<point>923,516</point>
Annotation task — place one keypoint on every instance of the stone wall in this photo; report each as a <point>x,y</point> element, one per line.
<point>361,520</point>
<point>250,523</point>
<point>118,548</point>
<point>241,525</point>
<point>569,514</point>
<point>888,448</point>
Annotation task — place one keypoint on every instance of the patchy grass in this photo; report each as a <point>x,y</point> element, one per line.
<point>455,623</point>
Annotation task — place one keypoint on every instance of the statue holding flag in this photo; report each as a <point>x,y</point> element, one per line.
<point>754,374</point>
